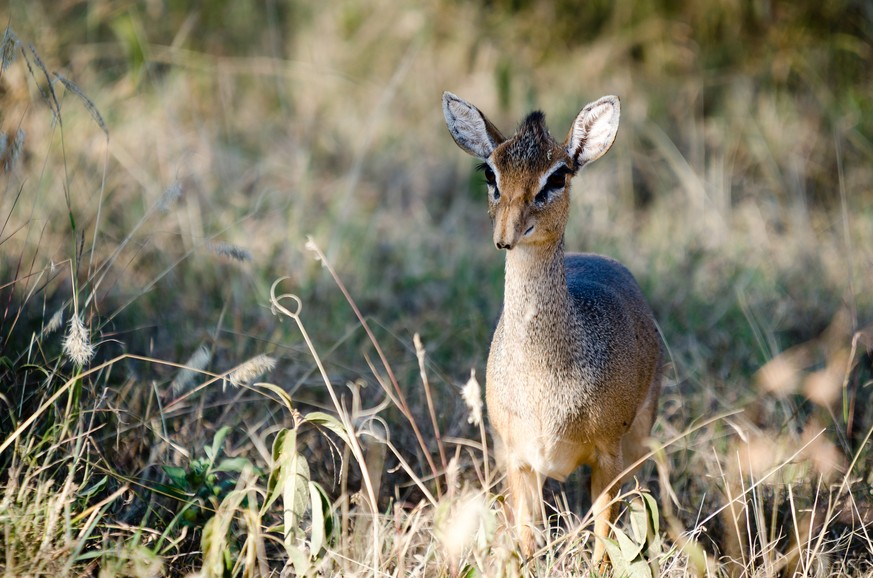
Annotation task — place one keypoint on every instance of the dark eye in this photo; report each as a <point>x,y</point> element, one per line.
<point>556,180</point>
<point>491,179</point>
<point>489,176</point>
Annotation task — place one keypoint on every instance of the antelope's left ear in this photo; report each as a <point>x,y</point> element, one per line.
<point>593,131</point>
<point>471,129</point>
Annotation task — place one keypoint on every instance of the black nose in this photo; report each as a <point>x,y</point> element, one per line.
<point>506,246</point>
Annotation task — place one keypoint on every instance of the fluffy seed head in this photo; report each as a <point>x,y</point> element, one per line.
<point>252,369</point>
<point>77,345</point>
<point>472,394</point>
<point>170,196</point>
<point>194,365</point>
<point>55,322</point>
<point>462,523</point>
<point>232,251</point>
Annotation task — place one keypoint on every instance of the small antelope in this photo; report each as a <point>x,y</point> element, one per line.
<point>574,370</point>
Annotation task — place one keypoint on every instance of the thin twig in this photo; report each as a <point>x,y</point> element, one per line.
<point>403,406</point>
<point>420,354</point>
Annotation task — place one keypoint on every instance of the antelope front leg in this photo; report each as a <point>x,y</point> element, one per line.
<point>604,488</point>
<point>524,496</point>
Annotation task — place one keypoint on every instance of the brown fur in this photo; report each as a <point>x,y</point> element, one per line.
<point>574,370</point>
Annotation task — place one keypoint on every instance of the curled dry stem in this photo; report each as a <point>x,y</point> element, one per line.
<point>276,302</point>
<point>403,406</point>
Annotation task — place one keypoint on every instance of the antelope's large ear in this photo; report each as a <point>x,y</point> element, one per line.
<point>593,131</point>
<point>471,130</point>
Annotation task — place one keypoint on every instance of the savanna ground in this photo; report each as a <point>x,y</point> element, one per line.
<point>168,410</point>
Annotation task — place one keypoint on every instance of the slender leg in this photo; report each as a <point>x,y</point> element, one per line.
<point>633,443</point>
<point>604,488</point>
<point>525,495</point>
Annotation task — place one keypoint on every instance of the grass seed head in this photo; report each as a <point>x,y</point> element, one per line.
<point>170,196</point>
<point>199,360</point>
<point>472,394</point>
<point>232,251</point>
<point>54,323</point>
<point>9,48</point>
<point>252,369</point>
<point>465,524</point>
<point>9,153</point>
<point>77,345</point>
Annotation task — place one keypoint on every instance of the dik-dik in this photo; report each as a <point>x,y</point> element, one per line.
<point>574,370</point>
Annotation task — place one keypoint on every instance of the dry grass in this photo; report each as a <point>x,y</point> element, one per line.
<point>151,200</point>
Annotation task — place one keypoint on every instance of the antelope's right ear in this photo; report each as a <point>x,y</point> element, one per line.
<point>471,130</point>
<point>594,130</point>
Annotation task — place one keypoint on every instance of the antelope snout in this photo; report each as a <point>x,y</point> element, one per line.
<point>507,229</point>
<point>505,241</point>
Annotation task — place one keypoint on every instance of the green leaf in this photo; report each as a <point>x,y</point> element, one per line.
<point>172,491</point>
<point>328,421</point>
<point>95,488</point>
<point>177,475</point>
<point>639,520</point>
<point>623,566</point>
<point>278,442</point>
<point>630,549</point>
<point>299,559</point>
<point>284,450</point>
<point>281,393</point>
<point>217,443</point>
<point>318,529</point>
<point>289,480</point>
<point>652,505</point>
<point>233,465</point>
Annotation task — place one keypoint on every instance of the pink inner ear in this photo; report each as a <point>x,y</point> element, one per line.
<point>593,132</point>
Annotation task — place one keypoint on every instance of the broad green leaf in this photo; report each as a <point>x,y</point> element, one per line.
<point>278,442</point>
<point>217,442</point>
<point>283,395</point>
<point>652,506</point>
<point>301,493</point>
<point>177,475</point>
<point>639,569</point>
<point>639,520</point>
<point>299,559</point>
<point>288,479</point>
<point>619,563</point>
<point>630,549</point>
<point>329,422</point>
<point>213,543</point>
<point>623,566</point>
<point>284,452</point>
<point>316,537</point>
<point>233,465</point>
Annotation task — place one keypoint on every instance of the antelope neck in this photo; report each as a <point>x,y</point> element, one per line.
<point>536,299</point>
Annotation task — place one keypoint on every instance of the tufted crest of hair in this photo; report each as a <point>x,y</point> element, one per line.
<point>532,148</point>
